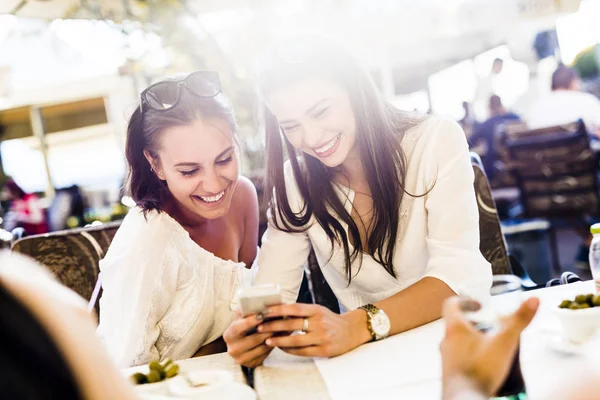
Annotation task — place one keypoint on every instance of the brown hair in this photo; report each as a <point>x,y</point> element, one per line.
<point>563,77</point>
<point>380,129</point>
<point>143,131</point>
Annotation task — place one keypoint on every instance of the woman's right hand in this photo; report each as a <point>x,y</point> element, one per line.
<point>249,350</point>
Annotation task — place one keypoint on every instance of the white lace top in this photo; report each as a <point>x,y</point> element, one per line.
<point>164,296</point>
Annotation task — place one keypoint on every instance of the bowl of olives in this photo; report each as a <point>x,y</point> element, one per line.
<point>579,317</point>
<point>154,376</point>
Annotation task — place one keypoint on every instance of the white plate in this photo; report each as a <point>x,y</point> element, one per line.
<point>223,391</point>
<point>230,391</point>
<point>557,342</point>
<point>200,381</point>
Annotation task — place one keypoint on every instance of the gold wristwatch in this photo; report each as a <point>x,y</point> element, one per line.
<point>378,322</point>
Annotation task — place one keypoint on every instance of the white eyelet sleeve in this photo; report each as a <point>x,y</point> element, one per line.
<point>453,216</point>
<point>139,283</point>
<point>283,254</point>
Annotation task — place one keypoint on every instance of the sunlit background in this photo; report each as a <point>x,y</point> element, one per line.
<point>71,70</point>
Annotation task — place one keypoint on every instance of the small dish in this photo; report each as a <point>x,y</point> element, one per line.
<point>578,325</point>
<point>223,388</point>
<point>557,342</point>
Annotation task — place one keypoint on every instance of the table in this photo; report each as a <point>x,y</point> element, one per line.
<point>284,376</point>
<point>408,365</point>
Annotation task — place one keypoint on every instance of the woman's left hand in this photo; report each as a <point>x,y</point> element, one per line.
<point>327,334</point>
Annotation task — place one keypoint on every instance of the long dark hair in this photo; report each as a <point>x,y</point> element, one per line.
<point>143,131</point>
<point>380,129</point>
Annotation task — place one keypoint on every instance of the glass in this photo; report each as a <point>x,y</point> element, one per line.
<point>594,256</point>
<point>488,318</point>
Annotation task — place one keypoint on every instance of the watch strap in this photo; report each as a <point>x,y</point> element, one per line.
<point>371,311</point>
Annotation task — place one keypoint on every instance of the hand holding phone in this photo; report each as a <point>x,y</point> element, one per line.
<point>256,299</point>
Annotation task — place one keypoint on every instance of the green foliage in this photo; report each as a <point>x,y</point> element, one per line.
<point>586,62</point>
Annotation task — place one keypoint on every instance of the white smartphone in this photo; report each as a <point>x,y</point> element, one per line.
<point>255,299</point>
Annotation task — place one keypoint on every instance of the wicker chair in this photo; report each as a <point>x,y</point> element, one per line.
<point>556,172</point>
<point>73,256</point>
<point>491,242</point>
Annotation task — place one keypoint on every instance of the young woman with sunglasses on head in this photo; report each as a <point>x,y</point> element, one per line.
<point>172,270</point>
<point>385,199</point>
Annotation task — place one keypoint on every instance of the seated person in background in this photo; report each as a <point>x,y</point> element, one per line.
<point>173,268</point>
<point>468,122</point>
<point>25,210</point>
<point>385,199</point>
<point>485,132</point>
<point>475,364</point>
<point>49,345</point>
<point>565,104</point>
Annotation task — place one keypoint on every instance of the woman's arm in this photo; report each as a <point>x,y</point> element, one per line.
<point>283,254</point>
<point>414,306</point>
<point>280,261</point>
<point>139,280</point>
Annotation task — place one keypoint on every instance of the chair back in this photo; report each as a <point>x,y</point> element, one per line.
<point>556,173</point>
<point>515,130</point>
<point>73,256</point>
<point>501,175</point>
<point>491,240</point>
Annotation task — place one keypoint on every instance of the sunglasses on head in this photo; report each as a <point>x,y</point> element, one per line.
<point>165,95</point>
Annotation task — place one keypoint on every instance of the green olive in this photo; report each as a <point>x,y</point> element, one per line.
<point>153,376</point>
<point>155,365</point>
<point>138,378</point>
<point>596,300</point>
<point>171,370</point>
<point>574,306</point>
<point>582,306</point>
<point>565,304</point>
<point>581,299</point>
<point>166,362</point>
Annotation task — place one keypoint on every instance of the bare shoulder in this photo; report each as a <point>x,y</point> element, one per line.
<point>245,190</point>
<point>245,199</point>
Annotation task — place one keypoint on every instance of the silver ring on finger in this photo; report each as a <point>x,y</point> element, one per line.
<point>305,325</point>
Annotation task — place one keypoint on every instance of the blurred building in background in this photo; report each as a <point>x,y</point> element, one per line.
<point>71,70</point>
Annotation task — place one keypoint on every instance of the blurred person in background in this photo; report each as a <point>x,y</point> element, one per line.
<point>486,87</point>
<point>24,211</point>
<point>565,104</point>
<point>174,266</point>
<point>468,122</point>
<point>484,133</point>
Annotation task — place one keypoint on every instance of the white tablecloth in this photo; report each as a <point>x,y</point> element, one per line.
<point>408,365</point>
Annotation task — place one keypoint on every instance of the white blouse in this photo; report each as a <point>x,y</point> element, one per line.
<point>438,234</point>
<point>164,296</point>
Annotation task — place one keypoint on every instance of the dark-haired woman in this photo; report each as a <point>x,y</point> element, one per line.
<point>385,199</point>
<point>172,270</point>
<point>25,210</point>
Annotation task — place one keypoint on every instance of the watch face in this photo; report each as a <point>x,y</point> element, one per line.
<point>380,323</point>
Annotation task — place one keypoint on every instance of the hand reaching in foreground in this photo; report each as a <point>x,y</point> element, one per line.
<point>475,364</point>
